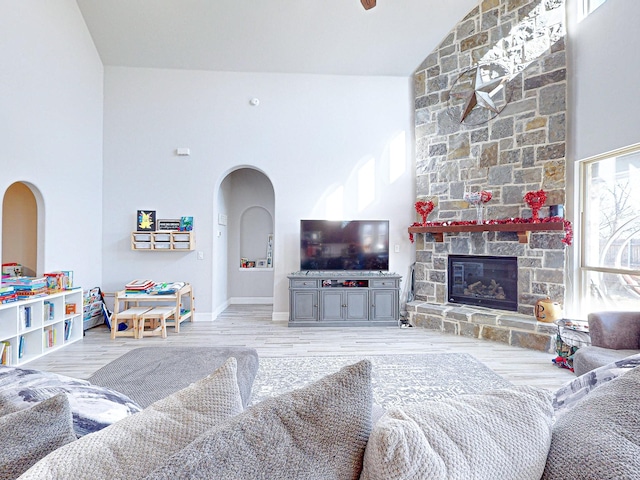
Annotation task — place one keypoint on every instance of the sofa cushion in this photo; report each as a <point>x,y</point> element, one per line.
<point>93,407</point>
<point>316,432</point>
<point>30,434</point>
<point>497,434</point>
<point>600,436</point>
<point>137,444</point>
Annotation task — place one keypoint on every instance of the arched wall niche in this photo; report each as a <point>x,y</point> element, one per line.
<point>23,227</point>
<point>256,224</point>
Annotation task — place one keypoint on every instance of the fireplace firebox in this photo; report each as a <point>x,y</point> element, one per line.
<point>484,281</point>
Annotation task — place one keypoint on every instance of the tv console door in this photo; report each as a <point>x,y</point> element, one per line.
<point>344,299</point>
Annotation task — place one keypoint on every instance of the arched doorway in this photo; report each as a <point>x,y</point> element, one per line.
<point>246,202</point>
<point>21,238</point>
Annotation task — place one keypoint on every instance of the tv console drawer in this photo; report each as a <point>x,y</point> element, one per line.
<point>388,283</point>
<point>304,283</point>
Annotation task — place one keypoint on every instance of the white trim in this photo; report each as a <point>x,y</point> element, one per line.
<point>280,316</point>
<point>220,309</point>
<point>203,317</point>
<point>250,301</point>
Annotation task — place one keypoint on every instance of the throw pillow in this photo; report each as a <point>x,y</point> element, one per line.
<point>30,434</point>
<point>497,434</point>
<point>316,432</point>
<point>93,407</point>
<point>569,394</point>
<point>134,446</point>
<point>600,436</point>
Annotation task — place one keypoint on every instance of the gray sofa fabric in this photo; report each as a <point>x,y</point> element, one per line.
<point>599,438</point>
<point>614,336</point>
<point>161,371</point>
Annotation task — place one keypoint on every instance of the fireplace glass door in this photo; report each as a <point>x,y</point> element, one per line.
<point>484,281</point>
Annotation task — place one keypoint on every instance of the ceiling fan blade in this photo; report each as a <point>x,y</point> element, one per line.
<point>367,4</point>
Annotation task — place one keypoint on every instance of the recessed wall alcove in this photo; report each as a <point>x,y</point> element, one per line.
<point>22,220</point>
<point>246,219</point>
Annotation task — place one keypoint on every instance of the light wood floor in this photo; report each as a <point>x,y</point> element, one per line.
<point>251,326</point>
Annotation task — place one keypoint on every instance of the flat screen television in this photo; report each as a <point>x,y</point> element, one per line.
<point>344,245</point>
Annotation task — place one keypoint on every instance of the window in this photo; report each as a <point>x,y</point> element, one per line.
<point>588,6</point>
<point>610,242</point>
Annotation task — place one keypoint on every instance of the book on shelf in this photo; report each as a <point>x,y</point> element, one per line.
<point>21,346</point>
<point>13,297</point>
<point>48,311</point>
<point>25,316</point>
<point>68,325</point>
<point>25,281</point>
<point>6,353</point>
<point>139,286</point>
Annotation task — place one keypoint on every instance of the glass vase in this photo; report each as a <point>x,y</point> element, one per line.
<point>479,213</point>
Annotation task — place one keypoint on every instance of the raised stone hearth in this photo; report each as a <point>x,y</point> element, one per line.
<point>506,327</point>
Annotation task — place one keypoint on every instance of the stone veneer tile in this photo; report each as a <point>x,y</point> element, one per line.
<point>495,334</point>
<point>531,341</point>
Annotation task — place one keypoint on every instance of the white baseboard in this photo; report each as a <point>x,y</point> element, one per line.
<point>250,301</point>
<point>280,316</point>
<point>204,317</point>
<point>220,309</point>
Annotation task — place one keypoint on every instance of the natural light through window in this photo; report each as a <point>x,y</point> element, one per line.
<point>334,204</point>
<point>588,6</point>
<point>397,157</point>
<point>366,184</point>
<point>611,241</point>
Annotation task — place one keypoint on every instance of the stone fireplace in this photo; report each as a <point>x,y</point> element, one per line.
<point>519,149</point>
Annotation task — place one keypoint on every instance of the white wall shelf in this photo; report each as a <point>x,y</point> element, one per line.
<point>49,326</point>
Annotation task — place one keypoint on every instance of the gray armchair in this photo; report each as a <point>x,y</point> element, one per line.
<point>614,335</point>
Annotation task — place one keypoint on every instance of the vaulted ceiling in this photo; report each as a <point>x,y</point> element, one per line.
<point>289,36</point>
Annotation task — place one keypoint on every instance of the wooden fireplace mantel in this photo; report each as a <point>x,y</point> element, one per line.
<point>522,229</point>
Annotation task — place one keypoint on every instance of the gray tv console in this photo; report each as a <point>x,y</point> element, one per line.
<point>354,299</point>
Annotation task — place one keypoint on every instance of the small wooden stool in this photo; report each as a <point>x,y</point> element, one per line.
<point>157,319</point>
<point>131,316</point>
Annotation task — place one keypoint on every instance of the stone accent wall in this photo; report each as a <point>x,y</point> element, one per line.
<point>520,150</point>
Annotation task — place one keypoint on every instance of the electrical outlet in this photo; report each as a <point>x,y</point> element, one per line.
<point>200,255</point>
<point>396,248</point>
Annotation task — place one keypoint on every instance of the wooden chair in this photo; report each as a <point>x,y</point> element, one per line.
<point>156,320</point>
<point>130,316</point>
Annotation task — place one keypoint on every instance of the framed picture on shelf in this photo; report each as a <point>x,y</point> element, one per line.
<point>186,224</point>
<point>146,221</point>
<point>261,263</point>
<point>169,224</point>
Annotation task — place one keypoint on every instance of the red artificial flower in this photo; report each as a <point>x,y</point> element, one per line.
<point>535,200</point>
<point>424,208</point>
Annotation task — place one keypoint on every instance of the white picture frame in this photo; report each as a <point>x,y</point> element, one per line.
<point>261,263</point>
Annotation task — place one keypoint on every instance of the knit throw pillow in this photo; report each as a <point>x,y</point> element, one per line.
<point>136,445</point>
<point>599,437</point>
<point>497,434</point>
<point>30,434</point>
<point>317,432</point>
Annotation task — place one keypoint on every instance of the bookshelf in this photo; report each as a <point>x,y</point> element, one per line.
<point>38,326</point>
<point>169,241</point>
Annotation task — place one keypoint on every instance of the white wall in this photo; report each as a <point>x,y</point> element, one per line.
<point>310,135</point>
<point>604,79</point>
<point>51,128</point>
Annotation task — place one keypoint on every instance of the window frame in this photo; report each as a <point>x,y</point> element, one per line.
<point>584,269</point>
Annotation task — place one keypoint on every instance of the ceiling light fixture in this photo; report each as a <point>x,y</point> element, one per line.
<point>367,4</point>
